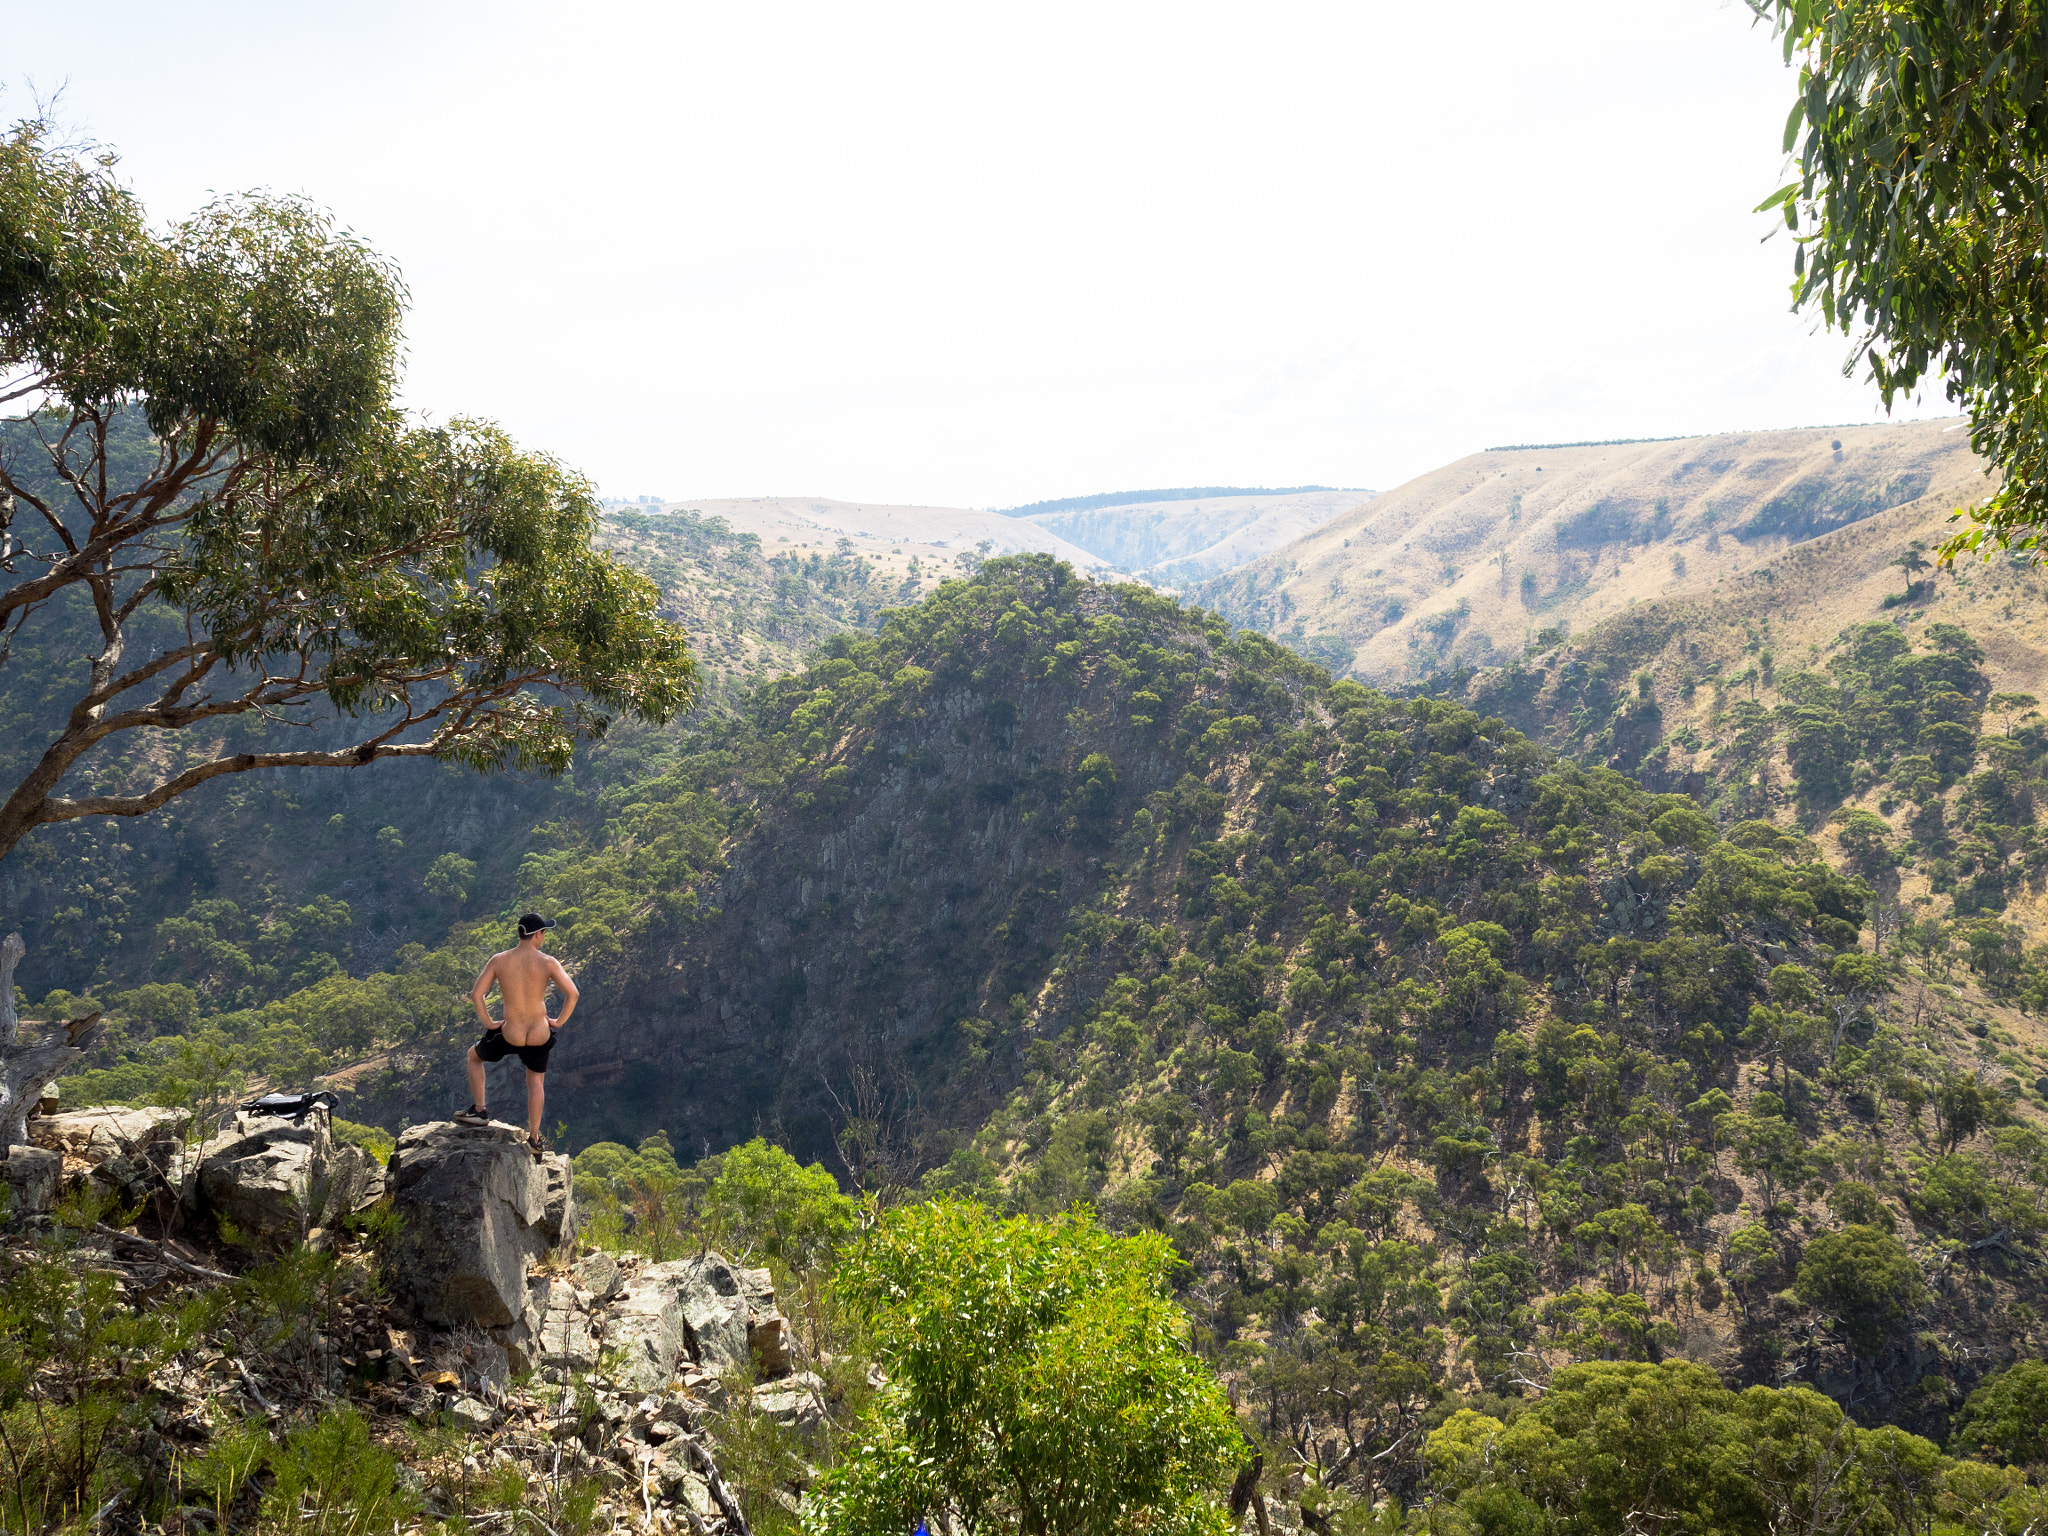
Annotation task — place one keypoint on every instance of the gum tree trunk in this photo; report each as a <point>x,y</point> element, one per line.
<point>26,1067</point>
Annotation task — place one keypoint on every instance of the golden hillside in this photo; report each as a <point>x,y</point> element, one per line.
<point>1472,562</point>
<point>1703,691</point>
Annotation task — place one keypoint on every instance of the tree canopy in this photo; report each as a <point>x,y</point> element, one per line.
<point>213,493</point>
<point>1921,133</point>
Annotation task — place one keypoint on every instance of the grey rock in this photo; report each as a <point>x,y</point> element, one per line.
<point>558,1218</point>
<point>522,1337</point>
<point>716,1309</point>
<point>275,1180</point>
<point>702,1314</point>
<point>646,1323</point>
<point>32,1176</point>
<point>475,1212</point>
<point>772,1345</point>
<point>677,1409</point>
<point>692,1490</point>
<point>100,1134</point>
<point>797,1403</point>
<point>565,1340</point>
<point>131,1180</point>
<point>467,1413</point>
<point>598,1273</point>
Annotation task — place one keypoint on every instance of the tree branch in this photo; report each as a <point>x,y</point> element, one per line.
<point>54,810</point>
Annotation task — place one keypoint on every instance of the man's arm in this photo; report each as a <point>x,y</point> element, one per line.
<point>566,987</point>
<point>482,990</point>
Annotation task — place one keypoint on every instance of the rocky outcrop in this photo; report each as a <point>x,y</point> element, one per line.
<point>273,1180</point>
<point>478,1212</point>
<point>129,1154</point>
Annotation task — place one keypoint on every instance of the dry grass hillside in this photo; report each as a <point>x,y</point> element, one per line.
<point>1468,564</point>
<point>895,538</point>
<point>1708,685</point>
<point>1166,544</point>
<point>1174,544</point>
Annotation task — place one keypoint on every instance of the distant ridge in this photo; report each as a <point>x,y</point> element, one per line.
<point>1682,437</point>
<point>1184,493</point>
<point>1602,442</point>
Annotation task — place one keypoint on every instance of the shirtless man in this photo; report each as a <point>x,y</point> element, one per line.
<point>523,975</point>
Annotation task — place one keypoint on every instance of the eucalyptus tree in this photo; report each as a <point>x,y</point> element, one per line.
<point>1920,213</point>
<point>209,489</point>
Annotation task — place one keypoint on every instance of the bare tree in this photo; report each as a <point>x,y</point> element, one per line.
<point>883,1133</point>
<point>27,1067</point>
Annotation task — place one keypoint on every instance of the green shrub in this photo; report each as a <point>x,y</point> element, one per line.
<point>334,1480</point>
<point>1037,1377</point>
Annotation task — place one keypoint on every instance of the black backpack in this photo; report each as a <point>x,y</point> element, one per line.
<point>291,1106</point>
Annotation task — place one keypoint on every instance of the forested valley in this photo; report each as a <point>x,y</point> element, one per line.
<point>1545,1031</point>
<point>1487,1099</point>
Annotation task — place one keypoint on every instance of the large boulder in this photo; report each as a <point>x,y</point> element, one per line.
<point>645,1323</point>
<point>477,1212</point>
<point>98,1135</point>
<point>274,1179</point>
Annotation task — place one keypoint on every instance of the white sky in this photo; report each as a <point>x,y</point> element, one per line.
<point>980,255</point>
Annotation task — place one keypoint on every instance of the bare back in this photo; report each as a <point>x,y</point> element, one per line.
<point>523,975</point>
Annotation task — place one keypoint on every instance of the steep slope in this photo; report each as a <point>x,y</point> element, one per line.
<point>1468,563</point>
<point>754,611</point>
<point>1424,1046</point>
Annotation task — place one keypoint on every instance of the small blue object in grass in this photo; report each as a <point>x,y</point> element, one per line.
<point>921,1529</point>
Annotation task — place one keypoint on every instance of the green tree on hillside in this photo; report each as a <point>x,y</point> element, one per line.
<point>1620,1447</point>
<point>216,496</point>
<point>1865,1277</point>
<point>450,877</point>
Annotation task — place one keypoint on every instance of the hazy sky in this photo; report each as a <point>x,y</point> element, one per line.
<point>983,254</point>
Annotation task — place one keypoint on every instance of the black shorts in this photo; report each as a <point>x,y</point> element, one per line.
<point>534,1057</point>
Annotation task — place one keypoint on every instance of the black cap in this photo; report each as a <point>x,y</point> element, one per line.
<point>531,924</point>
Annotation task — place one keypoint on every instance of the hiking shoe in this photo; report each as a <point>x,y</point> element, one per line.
<point>472,1116</point>
<point>538,1146</point>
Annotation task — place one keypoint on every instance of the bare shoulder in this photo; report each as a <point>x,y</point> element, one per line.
<point>555,967</point>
